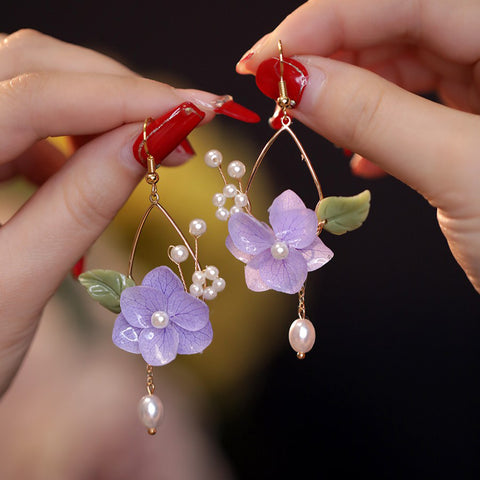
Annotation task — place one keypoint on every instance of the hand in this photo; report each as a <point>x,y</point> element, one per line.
<point>50,88</point>
<point>364,58</point>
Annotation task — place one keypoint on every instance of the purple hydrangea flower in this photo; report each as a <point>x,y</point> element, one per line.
<point>280,257</point>
<point>159,319</point>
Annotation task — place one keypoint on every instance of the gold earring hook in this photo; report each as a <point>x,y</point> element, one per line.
<point>283,101</point>
<point>151,167</point>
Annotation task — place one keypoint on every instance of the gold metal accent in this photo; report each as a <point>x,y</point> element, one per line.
<point>301,355</point>
<point>150,384</point>
<point>301,303</point>
<point>152,431</point>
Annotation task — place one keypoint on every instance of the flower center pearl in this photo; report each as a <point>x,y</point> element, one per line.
<point>279,250</point>
<point>160,319</point>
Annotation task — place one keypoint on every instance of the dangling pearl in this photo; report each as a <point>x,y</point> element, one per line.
<point>219,199</point>
<point>279,250</point>
<point>219,284</point>
<point>235,210</point>
<point>222,214</point>
<point>160,319</point>
<point>213,158</point>
<point>150,411</point>
<point>209,293</point>
<point>196,290</point>
<point>211,272</point>
<point>229,190</point>
<point>197,227</point>
<point>241,200</point>
<point>236,169</point>
<point>198,278</point>
<point>179,253</point>
<point>302,335</point>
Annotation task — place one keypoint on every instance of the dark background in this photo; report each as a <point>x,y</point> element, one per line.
<point>391,387</point>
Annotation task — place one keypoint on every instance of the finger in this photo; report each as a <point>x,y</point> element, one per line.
<point>321,27</point>
<point>27,51</point>
<point>35,106</point>
<point>65,216</point>
<point>408,136</point>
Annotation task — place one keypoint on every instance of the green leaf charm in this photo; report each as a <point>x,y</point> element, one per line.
<point>343,214</point>
<point>106,286</point>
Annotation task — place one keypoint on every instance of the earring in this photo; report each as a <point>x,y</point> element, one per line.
<point>279,257</point>
<point>161,317</point>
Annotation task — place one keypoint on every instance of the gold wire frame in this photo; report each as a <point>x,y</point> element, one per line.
<point>152,179</point>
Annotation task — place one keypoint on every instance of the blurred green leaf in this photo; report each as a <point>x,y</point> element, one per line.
<point>343,214</point>
<point>106,286</point>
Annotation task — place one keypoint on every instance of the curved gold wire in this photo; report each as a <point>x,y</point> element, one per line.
<point>266,148</point>
<point>152,179</point>
<point>284,102</point>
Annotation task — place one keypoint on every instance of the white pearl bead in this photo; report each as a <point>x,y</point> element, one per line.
<point>236,169</point>
<point>209,293</point>
<point>235,210</point>
<point>279,250</point>
<point>160,319</point>
<point>219,284</point>
<point>179,253</point>
<point>213,158</point>
<point>197,227</point>
<point>241,200</point>
<point>302,335</point>
<point>219,199</point>
<point>222,214</point>
<point>229,190</point>
<point>196,290</point>
<point>198,278</point>
<point>150,411</point>
<point>211,272</point>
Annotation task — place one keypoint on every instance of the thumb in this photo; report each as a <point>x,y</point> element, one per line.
<point>424,144</point>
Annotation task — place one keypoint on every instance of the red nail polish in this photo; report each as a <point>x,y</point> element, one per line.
<point>294,74</point>
<point>185,149</point>
<point>238,112</point>
<point>165,133</point>
<point>246,57</point>
<point>78,268</point>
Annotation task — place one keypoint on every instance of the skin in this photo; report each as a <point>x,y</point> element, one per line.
<point>50,88</point>
<point>367,62</point>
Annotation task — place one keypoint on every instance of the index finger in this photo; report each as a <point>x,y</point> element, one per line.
<point>449,28</point>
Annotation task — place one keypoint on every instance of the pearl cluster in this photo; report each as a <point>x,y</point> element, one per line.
<point>235,170</point>
<point>200,286</point>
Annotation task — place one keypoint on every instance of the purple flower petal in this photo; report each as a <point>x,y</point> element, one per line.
<point>158,346</point>
<point>163,279</point>
<point>138,304</point>
<point>125,336</point>
<point>248,234</point>
<point>316,254</point>
<point>287,275</point>
<point>253,279</point>
<point>298,228</point>
<point>194,342</point>
<point>288,200</point>
<point>237,253</point>
<point>187,312</point>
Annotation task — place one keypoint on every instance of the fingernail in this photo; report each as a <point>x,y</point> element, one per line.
<point>361,167</point>
<point>226,106</point>
<point>167,132</point>
<point>242,64</point>
<point>294,74</point>
<point>78,268</point>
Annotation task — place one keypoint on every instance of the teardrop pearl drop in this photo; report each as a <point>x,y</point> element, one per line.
<point>150,411</point>
<point>302,335</point>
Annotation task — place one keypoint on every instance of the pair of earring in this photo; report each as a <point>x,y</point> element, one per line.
<point>166,315</point>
